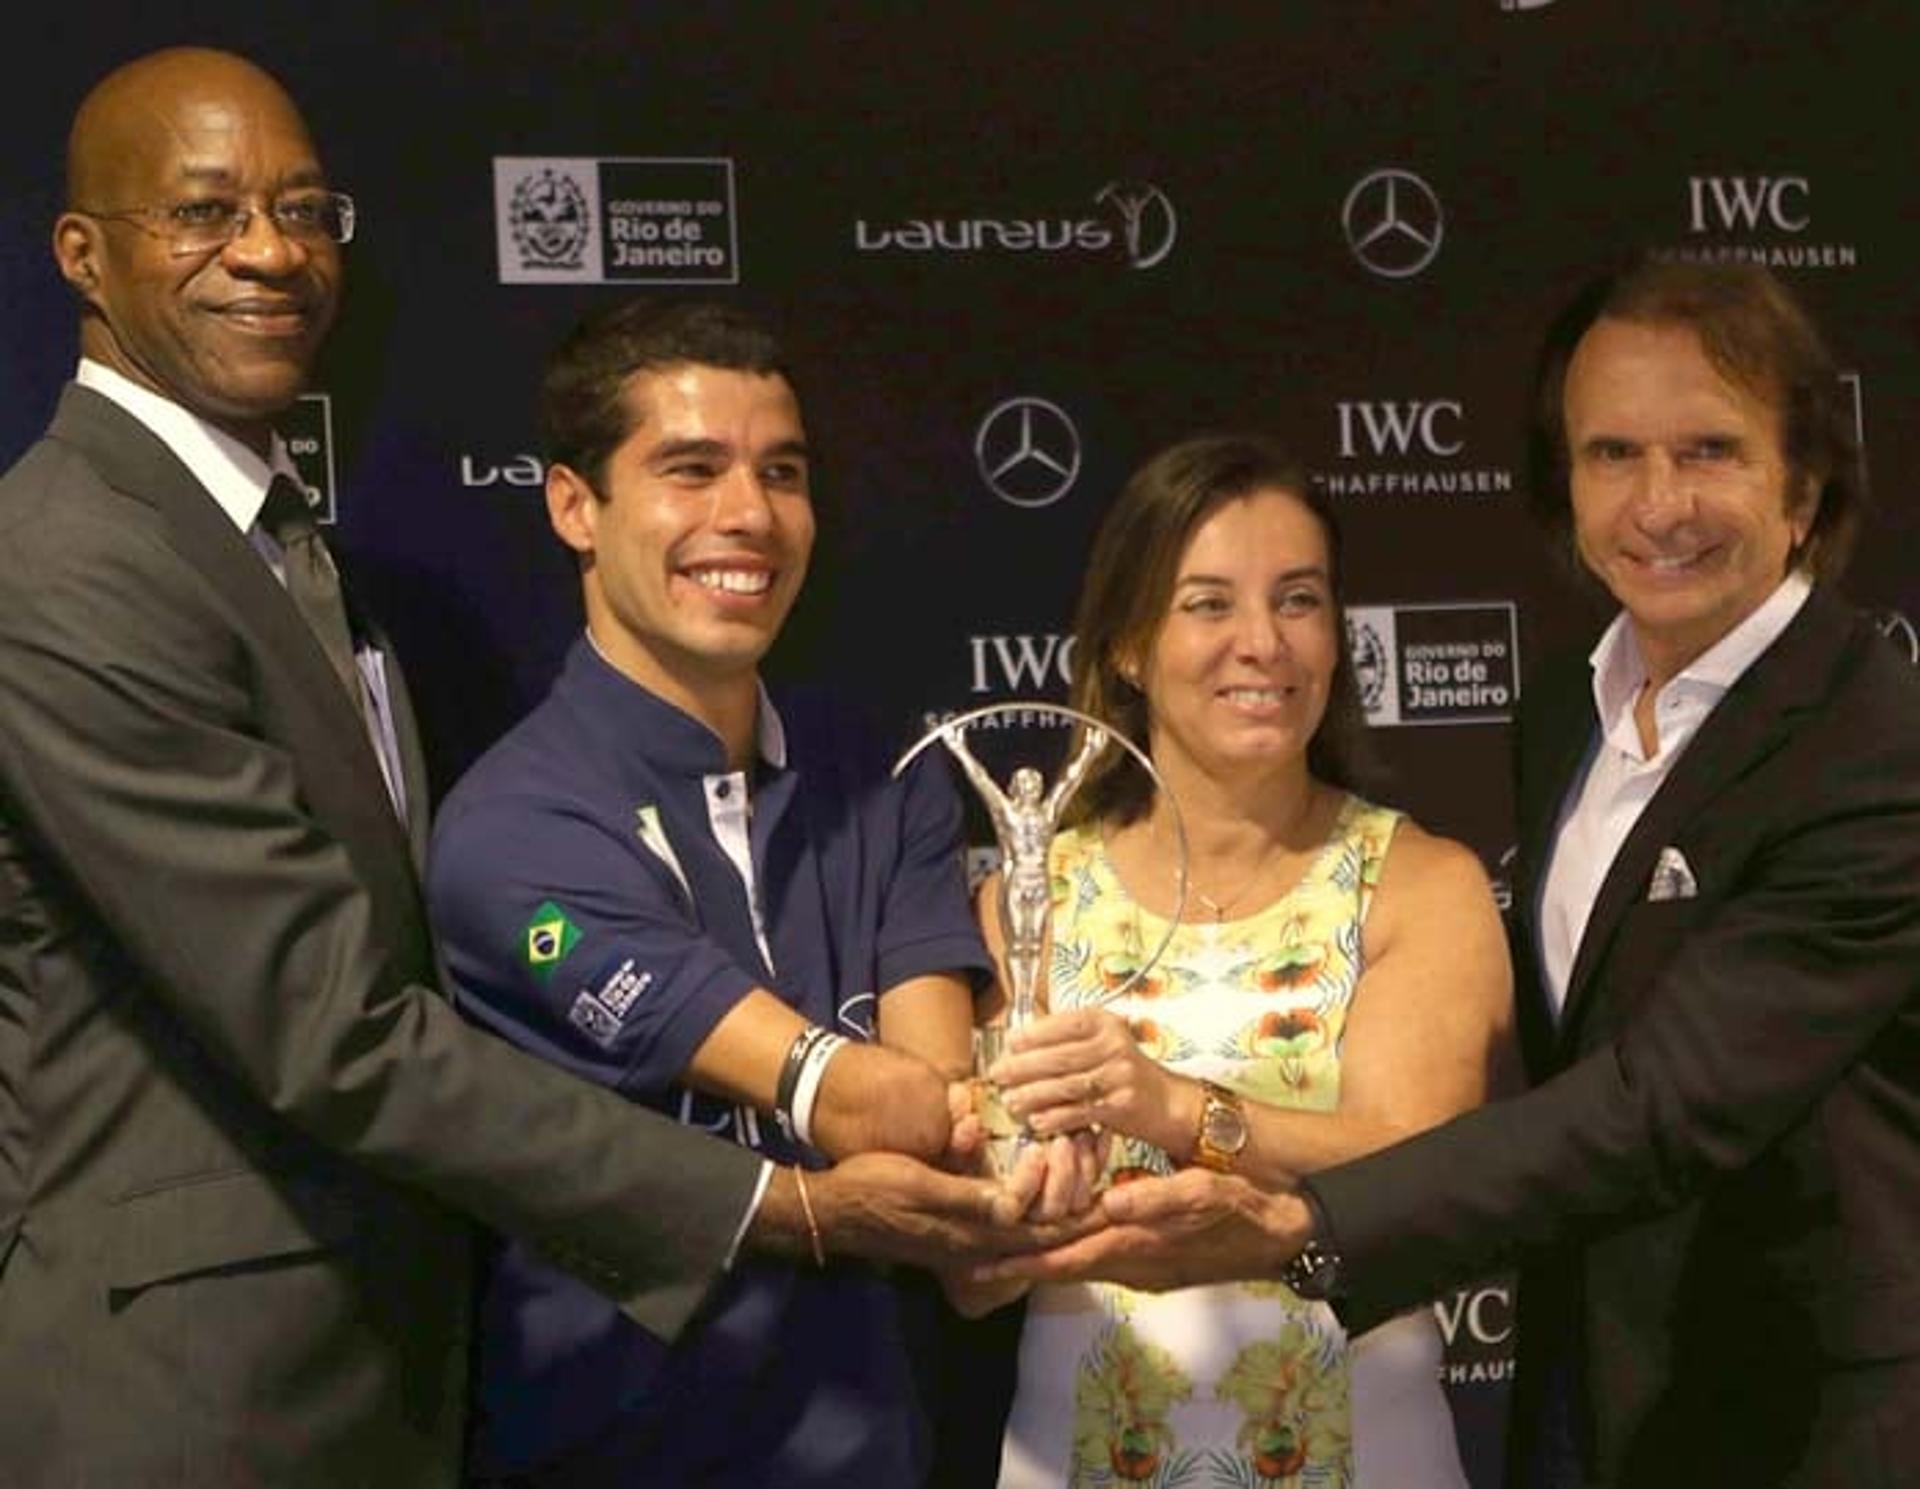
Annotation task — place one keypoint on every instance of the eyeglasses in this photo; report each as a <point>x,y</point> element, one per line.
<point>206,224</point>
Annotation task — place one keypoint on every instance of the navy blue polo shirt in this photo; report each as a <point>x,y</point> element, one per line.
<point>589,884</point>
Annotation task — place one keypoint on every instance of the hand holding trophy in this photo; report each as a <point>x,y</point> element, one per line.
<point>1025,815</point>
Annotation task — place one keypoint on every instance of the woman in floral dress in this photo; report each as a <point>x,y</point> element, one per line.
<point>1337,980</point>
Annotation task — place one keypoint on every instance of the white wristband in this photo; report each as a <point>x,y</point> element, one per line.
<point>807,1090</point>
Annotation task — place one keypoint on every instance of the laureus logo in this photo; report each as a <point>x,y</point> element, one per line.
<point>1143,225</point>
<point>1899,630</point>
<point>1393,222</point>
<point>549,217</point>
<point>1148,223</point>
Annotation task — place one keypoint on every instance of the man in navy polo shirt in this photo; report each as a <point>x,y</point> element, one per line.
<point>727,912</point>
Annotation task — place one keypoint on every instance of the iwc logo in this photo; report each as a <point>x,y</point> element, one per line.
<point>1757,219</point>
<point>550,222</point>
<point>1028,451</point>
<point>1393,222</point>
<point>1406,447</point>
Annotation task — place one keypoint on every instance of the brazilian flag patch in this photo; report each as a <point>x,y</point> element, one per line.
<point>550,936</point>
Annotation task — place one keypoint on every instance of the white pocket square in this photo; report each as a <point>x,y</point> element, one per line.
<point>1672,877</point>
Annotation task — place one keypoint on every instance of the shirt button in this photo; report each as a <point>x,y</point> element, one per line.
<point>723,789</point>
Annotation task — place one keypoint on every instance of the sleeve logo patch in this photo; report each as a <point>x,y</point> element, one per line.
<point>602,1010</point>
<point>601,1024</point>
<point>621,987</point>
<point>550,936</point>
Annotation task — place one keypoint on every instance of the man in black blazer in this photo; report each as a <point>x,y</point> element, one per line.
<point>242,1140</point>
<point>1714,1189</point>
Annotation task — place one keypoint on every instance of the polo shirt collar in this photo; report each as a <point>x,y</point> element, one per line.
<point>676,742</point>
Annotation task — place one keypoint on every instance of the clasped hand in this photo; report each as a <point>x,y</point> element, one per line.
<point>1075,1079</point>
<point>1083,1069</point>
<point>1055,1178</point>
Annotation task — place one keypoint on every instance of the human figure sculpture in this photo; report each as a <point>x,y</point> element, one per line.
<point>1024,815</point>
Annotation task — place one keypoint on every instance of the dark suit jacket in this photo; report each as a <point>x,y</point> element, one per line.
<point>1715,1186</point>
<point>241,1139</point>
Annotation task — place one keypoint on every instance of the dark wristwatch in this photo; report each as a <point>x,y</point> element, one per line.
<point>1222,1135</point>
<point>1315,1272</point>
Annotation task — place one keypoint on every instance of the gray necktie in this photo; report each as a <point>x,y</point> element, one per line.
<point>313,583</point>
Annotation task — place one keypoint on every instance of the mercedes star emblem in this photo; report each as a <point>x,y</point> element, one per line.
<point>1028,451</point>
<point>1393,222</point>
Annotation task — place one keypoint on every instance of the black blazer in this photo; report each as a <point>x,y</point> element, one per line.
<point>241,1139</point>
<point>1714,1188</point>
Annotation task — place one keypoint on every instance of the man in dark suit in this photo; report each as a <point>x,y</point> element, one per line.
<point>1714,1188</point>
<point>242,1141</point>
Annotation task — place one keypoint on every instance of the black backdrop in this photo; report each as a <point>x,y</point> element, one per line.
<point>1019,248</point>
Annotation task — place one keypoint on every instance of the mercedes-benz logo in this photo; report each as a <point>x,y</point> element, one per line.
<point>1899,630</point>
<point>1028,451</point>
<point>1148,223</point>
<point>1393,222</point>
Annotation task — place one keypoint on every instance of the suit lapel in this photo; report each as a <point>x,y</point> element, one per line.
<point>1559,728</point>
<point>136,462</point>
<point>1758,712</point>
<point>1555,732</point>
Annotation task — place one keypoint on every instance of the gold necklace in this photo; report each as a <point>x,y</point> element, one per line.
<point>1218,908</point>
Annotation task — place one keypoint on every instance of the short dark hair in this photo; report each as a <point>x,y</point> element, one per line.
<point>1760,339</point>
<point>1128,588</point>
<point>583,415</point>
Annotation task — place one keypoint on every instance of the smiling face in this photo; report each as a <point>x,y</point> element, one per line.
<point>1683,501</point>
<point>695,546</point>
<point>229,333</point>
<point>1239,671</point>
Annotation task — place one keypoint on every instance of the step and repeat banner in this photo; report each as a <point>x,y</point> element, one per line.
<point>1017,249</point>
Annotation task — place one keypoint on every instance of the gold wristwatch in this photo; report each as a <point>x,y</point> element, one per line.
<point>1222,1135</point>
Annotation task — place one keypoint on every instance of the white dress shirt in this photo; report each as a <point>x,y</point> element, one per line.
<point>1605,801</point>
<point>237,479</point>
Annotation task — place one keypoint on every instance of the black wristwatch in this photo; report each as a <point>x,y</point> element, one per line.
<point>1315,1273</point>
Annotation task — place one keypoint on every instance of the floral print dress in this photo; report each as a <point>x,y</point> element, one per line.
<point>1241,1384</point>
